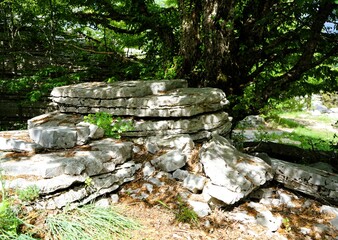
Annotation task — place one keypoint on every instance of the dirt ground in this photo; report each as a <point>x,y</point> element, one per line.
<point>158,220</point>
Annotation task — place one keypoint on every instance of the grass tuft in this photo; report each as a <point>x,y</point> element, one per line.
<point>89,222</point>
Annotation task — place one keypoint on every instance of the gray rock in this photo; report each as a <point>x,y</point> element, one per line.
<point>155,181</point>
<point>201,208</point>
<point>103,203</point>
<point>170,161</point>
<point>332,211</point>
<point>223,194</point>
<point>197,126</point>
<point>10,141</point>
<point>54,137</point>
<point>173,103</point>
<point>309,180</point>
<point>114,198</point>
<point>125,89</point>
<point>54,119</point>
<point>194,183</point>
<point>263,156</point>
<point>148,170</point>
<point>74,168</point>
<point>117,152</point>
<point>252,121</point>
<point>149,187</point>
<point>323,166</point>
<point>233,174</point>
<point>152,147</point>
<point>180,174</point>
<point>93,132</point>
<point>265,218</point>
<point>181,142</point>
<point>82,136</point>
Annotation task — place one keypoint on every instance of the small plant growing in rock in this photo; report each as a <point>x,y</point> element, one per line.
<point>183,213</point>
<point>286,224</point>
<point>112,127</point>
<point>28,194</point>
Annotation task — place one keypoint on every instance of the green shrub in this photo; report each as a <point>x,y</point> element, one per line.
<point>28,194</point>
<point>112,127</point>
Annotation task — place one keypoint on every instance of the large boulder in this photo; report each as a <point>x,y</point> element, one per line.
<point>233,175</point>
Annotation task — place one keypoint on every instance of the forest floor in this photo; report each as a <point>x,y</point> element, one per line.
<point>160,222</point>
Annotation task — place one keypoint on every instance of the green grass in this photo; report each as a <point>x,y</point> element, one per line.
<point>89,222</point>
<point>323,140</point>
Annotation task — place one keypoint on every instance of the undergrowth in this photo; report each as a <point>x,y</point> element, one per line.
<point>89,222</point>
<point>113,127</point>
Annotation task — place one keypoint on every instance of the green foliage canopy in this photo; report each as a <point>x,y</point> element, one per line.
<point>253,50</point>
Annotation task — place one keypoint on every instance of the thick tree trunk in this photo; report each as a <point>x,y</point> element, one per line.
<point>252,50</point>
<point>190,44</point>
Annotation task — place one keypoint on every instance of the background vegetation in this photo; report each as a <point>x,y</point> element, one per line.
<point>256,51</point>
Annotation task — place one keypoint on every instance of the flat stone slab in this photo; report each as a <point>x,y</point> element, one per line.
<point>193,125</point>
<point>17,141</point>
<point>312,181</point>
<point>55,118</point>
<point>105,154</point>
<point>58,130</point>
<point>182,102</point>
<point>123,89</point>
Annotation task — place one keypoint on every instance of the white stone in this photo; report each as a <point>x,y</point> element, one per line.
<point>202,209</point>
<point>182,102</point>
<point>114,198</point>
<point>54,137</point>
<point>17,145</point>
<point>180,174</point>
<point>194,183</point>
<point>103,203</point>
<point>233,174</point>
<point>333,211</point>
<point>170,161</point>
<point>148,170</point>
<point>265,218</point>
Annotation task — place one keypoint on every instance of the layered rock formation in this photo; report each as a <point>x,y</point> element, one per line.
<point>89,166</point>
<point>158,107</point>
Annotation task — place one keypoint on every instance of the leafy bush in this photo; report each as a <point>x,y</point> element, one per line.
<point>112,127</point>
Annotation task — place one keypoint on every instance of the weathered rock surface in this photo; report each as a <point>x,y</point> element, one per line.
<point>309,180</point>
<point>136,98</point>
<point>18,141</point>
<point>107,163</point>
<point>217,122</point>
<point>233,174</point>
<point>126,89</point>
<point>58,130</point>
<point>170,161</point>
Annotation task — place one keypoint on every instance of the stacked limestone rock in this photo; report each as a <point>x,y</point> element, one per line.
<point>166,107</point>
